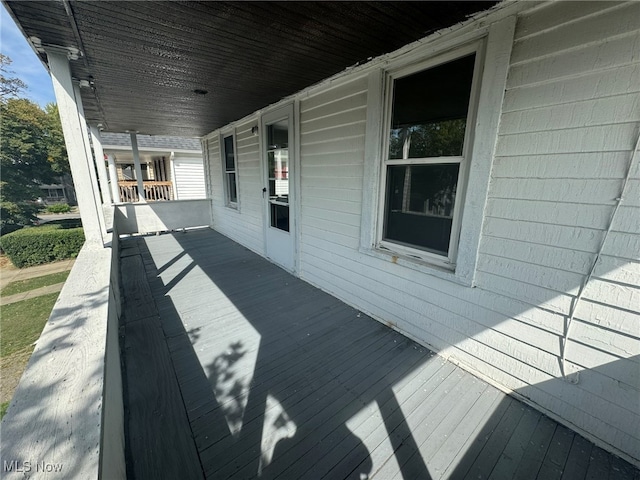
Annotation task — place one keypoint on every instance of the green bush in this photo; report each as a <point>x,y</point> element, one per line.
<point>58,208</point>
<point>36,245</point>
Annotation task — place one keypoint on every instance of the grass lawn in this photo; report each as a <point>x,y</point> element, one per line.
<point>22,322</point>
<point>33,283</point>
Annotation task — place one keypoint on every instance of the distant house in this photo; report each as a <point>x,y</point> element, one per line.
<point>172,167</point>
<point>62,192</point>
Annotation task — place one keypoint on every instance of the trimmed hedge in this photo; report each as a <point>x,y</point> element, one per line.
<point>36,245</point>
<point>58,208</point>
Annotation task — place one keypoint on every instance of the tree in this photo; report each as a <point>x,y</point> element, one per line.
<point>23,160</point>
<point>9,86</point>
<point>32,152</point>
<point>57,150</point>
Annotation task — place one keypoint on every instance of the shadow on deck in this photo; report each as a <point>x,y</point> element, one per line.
<point>233,368</point>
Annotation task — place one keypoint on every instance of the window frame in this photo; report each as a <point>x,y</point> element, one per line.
<point>225,173</point>
<point>390,76</point>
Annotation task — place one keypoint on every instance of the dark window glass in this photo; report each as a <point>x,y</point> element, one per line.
<point>420,200</point>
<point>278,135</point>
<point>229,156</point>
<point>280,216</point>
<point>231,187</point>
<point>430,111</point>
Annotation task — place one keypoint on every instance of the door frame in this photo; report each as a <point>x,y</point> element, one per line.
<point>290,110</point>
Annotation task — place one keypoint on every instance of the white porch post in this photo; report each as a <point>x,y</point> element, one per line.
<point>136,162</point>
<point>72,127</point>
<point>173,176</point>
<point>102,170</point>
<point>87,146</point>
<point>113,177</point>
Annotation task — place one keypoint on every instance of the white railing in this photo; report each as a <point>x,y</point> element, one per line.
<point>153,191</point>
<point>161,216</point>
<point>66,416</point>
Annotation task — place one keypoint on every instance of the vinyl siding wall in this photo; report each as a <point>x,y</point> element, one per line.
<point>569,120</point>
<point>189,177</point>
<point>244,224</point>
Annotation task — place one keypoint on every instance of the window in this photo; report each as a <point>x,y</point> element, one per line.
<point>55,193</point>
<point>278,174</point>
<point>230,171</point>
<point>427,136</point>
<point>129,172</point>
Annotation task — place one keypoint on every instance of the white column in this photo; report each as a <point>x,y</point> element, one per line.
<point>72,128</point>
<point>173,176</point>
<point>102,170</point>
<point>87,147</point>
<point>136,162</point>
<point>113,177</point>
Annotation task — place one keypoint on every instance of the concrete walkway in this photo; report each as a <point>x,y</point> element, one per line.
<point>6,300</point>
<point>9,275</point>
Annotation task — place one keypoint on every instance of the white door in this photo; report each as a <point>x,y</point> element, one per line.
<point>278,192</point>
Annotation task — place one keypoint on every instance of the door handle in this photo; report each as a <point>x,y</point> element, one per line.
<point>264,190</point>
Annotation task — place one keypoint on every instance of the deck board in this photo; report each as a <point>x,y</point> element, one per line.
<point>556,457</point>
<point>153,403</point>
<point>267,376</point>
<point>578,459</point>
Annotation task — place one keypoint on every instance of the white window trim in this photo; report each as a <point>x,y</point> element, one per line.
<point>447,261</point>
<point>493,57</point>
<point>231,132</point>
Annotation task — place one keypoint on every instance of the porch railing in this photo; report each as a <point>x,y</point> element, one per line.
<point>66,418</point>
<point>153,191</point>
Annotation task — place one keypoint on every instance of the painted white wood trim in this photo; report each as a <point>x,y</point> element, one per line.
<point>113,179</point>
<point>297,186</point>
<point>208,183</point>
<point>136,162</point>
<point>372,159</point>
<point>102,170</point>
<point>494,80</point>
<point>78,161</point>
<point>154,150</point>
<point>172,169</point>
<point>172,165</point>
<point>226,132</point>
<point>89,156</point>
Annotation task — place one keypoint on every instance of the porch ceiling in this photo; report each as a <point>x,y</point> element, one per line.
<point>145,59</point>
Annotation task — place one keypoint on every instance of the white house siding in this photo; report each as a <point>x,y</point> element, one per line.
<point>569,120</point>
<point>332,135</point>
<point>189,177</point>
<point>244,224</point>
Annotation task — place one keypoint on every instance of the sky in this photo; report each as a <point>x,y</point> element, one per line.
<point>26,65</point>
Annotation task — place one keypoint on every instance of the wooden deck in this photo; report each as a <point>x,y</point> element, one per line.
<point>236,369</point>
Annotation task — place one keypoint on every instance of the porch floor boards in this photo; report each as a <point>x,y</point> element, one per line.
<point>233,368</point>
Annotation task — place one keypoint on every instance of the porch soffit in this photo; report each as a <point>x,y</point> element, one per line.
<point>145,59</point>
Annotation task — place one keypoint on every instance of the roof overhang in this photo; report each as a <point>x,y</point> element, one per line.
<point>144,66</point>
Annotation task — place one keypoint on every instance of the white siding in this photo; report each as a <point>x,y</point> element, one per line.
<point>559,167</point>
<point>244,224</point>
<point>189,177</point>
<point>332,133</point>
<point>569,121</point>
